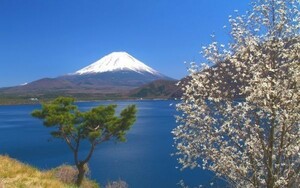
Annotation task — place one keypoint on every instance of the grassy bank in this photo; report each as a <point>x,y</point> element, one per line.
<point>14,174</point>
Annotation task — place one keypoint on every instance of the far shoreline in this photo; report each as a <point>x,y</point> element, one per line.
<point>16,102</point>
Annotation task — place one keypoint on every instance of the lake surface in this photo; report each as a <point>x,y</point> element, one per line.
<point>144,161</point>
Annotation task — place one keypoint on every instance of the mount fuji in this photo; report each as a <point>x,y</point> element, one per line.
<point>113,75</point>
<point>117,61</point>
<point>117,69</point>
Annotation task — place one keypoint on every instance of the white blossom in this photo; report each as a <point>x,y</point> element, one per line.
<point>241,117</point>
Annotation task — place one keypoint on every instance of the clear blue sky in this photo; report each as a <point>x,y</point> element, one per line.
<point>49,38</point>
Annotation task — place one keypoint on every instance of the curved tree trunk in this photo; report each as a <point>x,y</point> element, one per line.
<point>81,173</point>
<point>80,164</point>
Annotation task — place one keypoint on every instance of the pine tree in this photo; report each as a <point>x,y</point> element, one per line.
<point>97,125</point>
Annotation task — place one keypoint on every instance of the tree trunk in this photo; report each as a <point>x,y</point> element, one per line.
<point>81,173</point>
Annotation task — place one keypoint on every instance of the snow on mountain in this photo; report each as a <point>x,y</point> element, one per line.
<point>117,61</point>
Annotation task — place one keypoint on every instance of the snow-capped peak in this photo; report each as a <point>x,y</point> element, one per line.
<point>117,61</point>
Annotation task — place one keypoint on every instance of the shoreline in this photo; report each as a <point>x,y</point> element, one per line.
<point>15,102</point>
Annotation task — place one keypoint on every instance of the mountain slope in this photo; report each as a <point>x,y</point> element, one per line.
<point>113,75</point>
<point>158,89</point>
<point>115,69</point>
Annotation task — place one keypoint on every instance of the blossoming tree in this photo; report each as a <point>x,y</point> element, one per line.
<point>241,116</point>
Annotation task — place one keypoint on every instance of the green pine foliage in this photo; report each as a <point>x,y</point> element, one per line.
<point>97,125</point>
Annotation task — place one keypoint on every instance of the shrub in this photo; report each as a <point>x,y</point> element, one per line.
<point>117,184</point>
<point>66,174</point>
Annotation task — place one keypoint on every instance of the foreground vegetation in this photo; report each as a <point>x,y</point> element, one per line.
<point>16,174</point>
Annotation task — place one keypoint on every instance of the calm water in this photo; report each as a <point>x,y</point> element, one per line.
<point>143,161</point>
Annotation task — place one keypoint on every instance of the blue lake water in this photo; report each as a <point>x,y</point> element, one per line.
<point>143,161</point>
